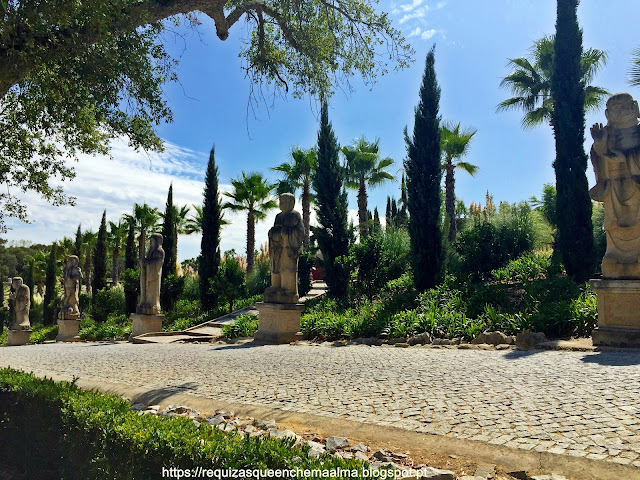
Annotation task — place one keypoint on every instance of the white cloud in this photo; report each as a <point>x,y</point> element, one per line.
<point>427,34</point>
<point>415,32</point>
<point>441,5</point>
<point>116,184</point>
<point>407,7</point>
<point>419,13</point>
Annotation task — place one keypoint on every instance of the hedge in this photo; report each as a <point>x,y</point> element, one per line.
<point>56,430</point>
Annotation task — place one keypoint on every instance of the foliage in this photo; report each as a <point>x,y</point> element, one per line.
<point>260,277</point>
<point>305,264</point>
<point>332,232</point>
<point>634,73</point>
<point>573,205</point>
<point>101,438</point>
<point>115,327</point>
<point>40,333</point>
<point>424,174</point>
<point>169,243</point>
<point>131,286</point>
<point>209,259</point>
<point>191,290</point>
<point>245,325</point>
<point>186,313</point>
<point>599,236</point>
<point>489,245</point>
<point>100,256</point>
<point>14,258</point>
<point>364,166</point>
<point>50,297</point>
<point>531,80</point>
<point>547,204</point>
<point>528,266</point>
<point>229,282</point>
<point>106,302</point>
<point>455,145</point>
<point>171,289</point>
<point>251,194</point>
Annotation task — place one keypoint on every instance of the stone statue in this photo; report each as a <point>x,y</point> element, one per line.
<point>615,155</point>
<point>285,246</point>
<point>20,305</point>
<point>150,276</point>
<point>72,279</point>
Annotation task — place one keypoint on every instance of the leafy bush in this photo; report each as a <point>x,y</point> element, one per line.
<point>186,313</point>
<point>191,289</point>
<point>116,327</point>
<point>584,312</point>
<point>305,264</point>
<point>99,437</point>
<point>131,285</point>
<point>170,291</point>
<point>245,325</point>
<point>528,266</point>
<point>108,301</point>
<point>84,302</point>
<point>228,283</point>
<point>260,277</point>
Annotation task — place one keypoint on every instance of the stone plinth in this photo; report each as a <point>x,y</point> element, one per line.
<point>618,312</point>
<point>18,337</point>
<point>68,329</point>
<point>278,322</point>
<point>145,324</point>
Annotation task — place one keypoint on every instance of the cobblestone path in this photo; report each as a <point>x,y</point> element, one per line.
<point>573,403</point>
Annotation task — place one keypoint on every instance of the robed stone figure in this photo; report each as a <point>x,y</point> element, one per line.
<point>20,305</point>
<point>285,247</point>
<point>72,279</point>
<point>150,277</point>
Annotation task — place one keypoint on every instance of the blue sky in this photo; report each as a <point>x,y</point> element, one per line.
<point>210,105</point>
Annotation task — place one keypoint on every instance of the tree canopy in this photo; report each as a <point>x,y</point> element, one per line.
<point>76,73</point>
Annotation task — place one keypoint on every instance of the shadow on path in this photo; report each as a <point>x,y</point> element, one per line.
<point>157,395</point>
<point>613,359</point>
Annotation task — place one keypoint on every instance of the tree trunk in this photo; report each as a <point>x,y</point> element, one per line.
<point>306,207</point>
<point>362,210</point>
<point>450,200</point>
<point>251,241</point>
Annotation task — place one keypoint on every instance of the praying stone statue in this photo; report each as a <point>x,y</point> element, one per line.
<point>72,279</point>
<point>616,161</point>
<point>150,276</point>
<point>285,246</point>
<point>21,303</point>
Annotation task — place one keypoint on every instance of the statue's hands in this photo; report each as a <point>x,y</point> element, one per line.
<point>600,136</point>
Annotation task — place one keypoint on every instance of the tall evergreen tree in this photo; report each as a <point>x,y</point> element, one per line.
<point>575,232</point>
<point>209,260</point>
<point>77,246</point>
<point>424,175</point>
<point>130,263</point>
<point>387,215</point>
<point>100,256</point>
<point>403,217</point>
<point>49,307</point>
<point>376,228</point>
<point>169,236</point>
<point>332,232</point>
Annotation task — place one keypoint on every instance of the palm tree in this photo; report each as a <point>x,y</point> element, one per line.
<point>180,214</point>
<point>297,174</point>
<point>116,238</point>
<point>193,224</point>
<point>146,220</point>
<point>251,194</point>
<point>530,81</point>
<point>455,145</point>
<point>365,167</point>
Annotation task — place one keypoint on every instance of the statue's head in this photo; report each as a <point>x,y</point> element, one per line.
<point>73,261</point>
<point>16,282</point>
<point>287,201</point>
<point>156,240</point>
<point>622,110</point>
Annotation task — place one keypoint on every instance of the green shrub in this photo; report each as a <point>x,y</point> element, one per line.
<point>99,437</point>
<point>245,325</point>
<point>170,291</point>
<point>131,284</point>
<point>42,333</point>
<point>305,264</point>
<point>526,267</point>
<point>84,302</point>
<point>116,327</point>
<point>191,289</point>
<point>584,313</point>
<point>108,301</point>
<point>229,284</point>
<point>186,313</point>
<point>260,277</point>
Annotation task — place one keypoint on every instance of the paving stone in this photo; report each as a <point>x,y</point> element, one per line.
<point>501,397</point>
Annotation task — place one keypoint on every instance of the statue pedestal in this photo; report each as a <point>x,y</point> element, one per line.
<point>278,322</point>
<point>145,324</point>
<point>68,328</point>
<point>18,337</point>
<point>618,312</point>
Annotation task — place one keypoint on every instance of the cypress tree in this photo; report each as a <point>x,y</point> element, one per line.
<point>169,244</point>
<point>209,260</point>
<point>130,263</point>
<point>424,175</point>
<point>387,215</point>
<point>100,257</point>
<point>29,281</point>
<point>77,246</point>
<point>402,213</point>
<point>49,307</point>
<point>376,229</point>
<point>394,212</point>
<point>332,232</point>
<point>575,231</point>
